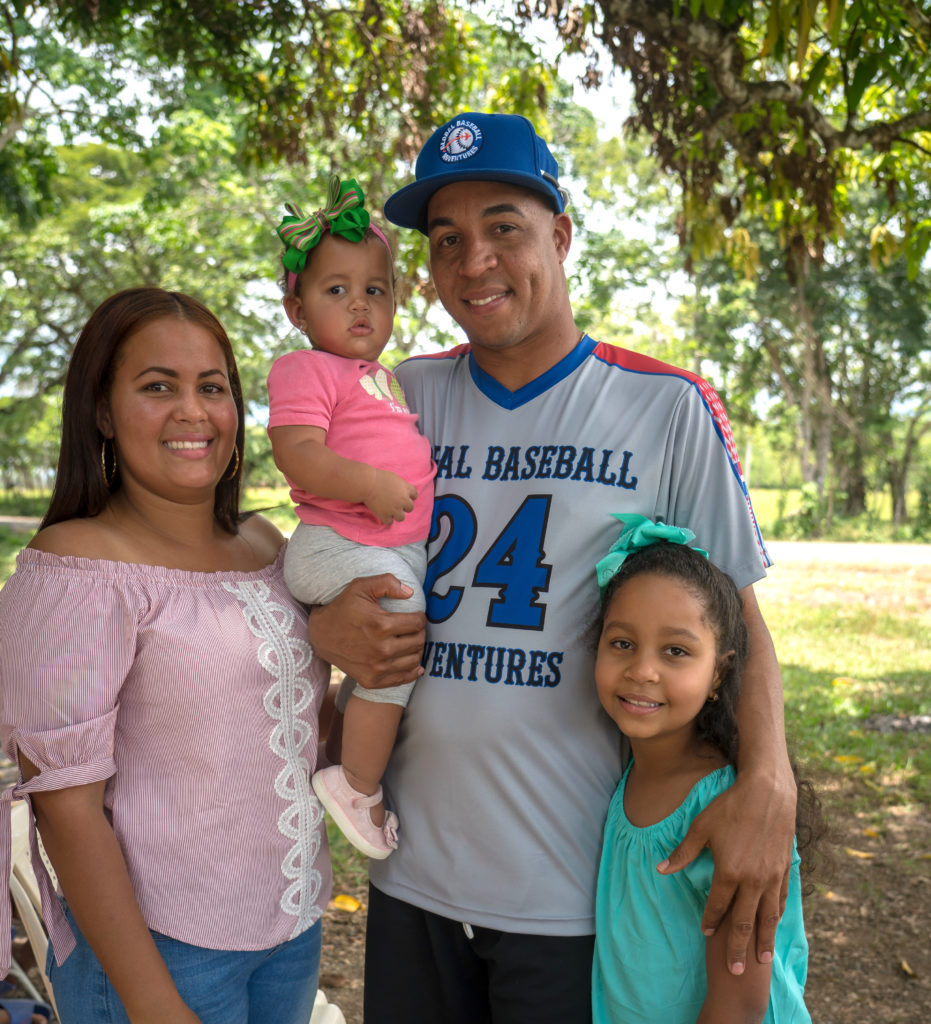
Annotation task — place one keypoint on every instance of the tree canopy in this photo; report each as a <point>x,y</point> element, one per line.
<point>155,141</point>
<point>772,109</point>
<point>776,108</point>
<point>367,79</point>
<point>841,357</point>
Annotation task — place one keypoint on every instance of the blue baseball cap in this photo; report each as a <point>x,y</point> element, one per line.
<point>478,147</point>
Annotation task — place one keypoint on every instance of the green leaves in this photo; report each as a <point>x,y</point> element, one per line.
<point>775,107</point>
<point>156,141</point>
<point>360,80</point>
<point>864,73</point>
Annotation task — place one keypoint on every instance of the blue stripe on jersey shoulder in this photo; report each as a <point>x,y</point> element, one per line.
<point>500,395</point>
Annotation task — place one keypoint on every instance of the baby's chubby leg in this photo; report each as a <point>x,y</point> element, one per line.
<point>369,731</point>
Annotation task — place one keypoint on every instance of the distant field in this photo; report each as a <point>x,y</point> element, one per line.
<point>776,511</point>
<point>273,502</point>
<point>854,643</point>
<point>768,503</point>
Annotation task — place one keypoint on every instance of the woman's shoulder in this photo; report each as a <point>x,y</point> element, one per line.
<point>263,537</point>
<point>79,538</point>
<point>96,540</point>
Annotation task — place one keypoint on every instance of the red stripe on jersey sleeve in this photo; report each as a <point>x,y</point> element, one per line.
<point>639,363</point>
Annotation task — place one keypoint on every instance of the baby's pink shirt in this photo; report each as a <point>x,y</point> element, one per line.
<point>362,408</point>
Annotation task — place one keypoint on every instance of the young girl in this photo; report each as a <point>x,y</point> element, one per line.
<point>670,654</point>
<point>360,471</point>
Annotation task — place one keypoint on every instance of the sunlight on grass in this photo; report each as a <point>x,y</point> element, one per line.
<point>274,503</point>
<point>350,866</point>
<point>854,644</point>
<point>23,503</point>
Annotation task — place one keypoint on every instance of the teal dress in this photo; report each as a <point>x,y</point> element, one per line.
<point>649,961</point>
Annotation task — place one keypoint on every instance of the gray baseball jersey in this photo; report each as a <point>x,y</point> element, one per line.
<point>505,762</point>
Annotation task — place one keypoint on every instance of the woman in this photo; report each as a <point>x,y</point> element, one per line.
<point>160,696</point>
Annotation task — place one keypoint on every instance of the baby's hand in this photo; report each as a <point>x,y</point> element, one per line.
<point>391,497</point>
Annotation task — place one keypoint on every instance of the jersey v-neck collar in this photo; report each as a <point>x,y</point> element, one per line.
<point>500,395</point>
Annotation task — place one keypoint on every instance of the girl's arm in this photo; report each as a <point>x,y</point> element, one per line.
<point>302,455</point>
<point>733,999</point>
<point>92,873</point>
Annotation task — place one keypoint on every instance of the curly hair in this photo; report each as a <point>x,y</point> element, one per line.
<point>716,723</point>
<point>723,612</point>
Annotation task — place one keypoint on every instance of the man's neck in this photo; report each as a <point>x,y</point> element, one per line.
<point>515,367</point>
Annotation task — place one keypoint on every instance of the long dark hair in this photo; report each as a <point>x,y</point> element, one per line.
<point>83,485</point>
<point>717,721</point>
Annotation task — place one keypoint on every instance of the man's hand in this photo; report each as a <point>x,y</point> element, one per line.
<point>749,829</point>
<point>375,647</point>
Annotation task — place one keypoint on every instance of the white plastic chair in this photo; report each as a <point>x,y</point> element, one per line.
<point>324,1012</point>
<point>28,903</point>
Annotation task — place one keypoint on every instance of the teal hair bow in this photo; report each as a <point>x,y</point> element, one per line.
<point>639,532</point>
<point>344,214</point>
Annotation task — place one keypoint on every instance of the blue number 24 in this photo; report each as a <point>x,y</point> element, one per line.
<point>513,564</point>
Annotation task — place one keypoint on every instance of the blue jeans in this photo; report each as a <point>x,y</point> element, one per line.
<point>221,986</point>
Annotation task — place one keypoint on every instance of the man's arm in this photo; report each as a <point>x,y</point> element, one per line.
<point>375,647</point>
<point>750,827</point>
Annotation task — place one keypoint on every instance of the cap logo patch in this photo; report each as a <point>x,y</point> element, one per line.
<point>461,140</point>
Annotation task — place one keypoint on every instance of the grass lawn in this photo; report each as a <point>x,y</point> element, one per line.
<point>854,643</point>
<point>274,503</point>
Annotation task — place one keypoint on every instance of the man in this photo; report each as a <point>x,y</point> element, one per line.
<point>505,763</point>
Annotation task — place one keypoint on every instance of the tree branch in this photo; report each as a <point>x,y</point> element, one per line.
<point>918,20</point>
<point>719,50</point>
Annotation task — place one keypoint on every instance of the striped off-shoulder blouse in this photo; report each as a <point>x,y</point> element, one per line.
<point>195,696</point>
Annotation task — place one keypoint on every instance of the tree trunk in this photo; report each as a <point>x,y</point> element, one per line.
<point>853,483</point>
<point>816,413</point>
<point>898,477</point>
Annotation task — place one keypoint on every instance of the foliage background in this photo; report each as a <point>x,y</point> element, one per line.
<point>760,215</point>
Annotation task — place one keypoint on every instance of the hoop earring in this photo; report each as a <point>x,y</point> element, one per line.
<point>108,480</point>
<point>229,476</point>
